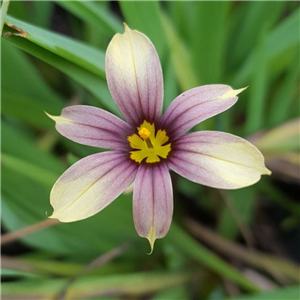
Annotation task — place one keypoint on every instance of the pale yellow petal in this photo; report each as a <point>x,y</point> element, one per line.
<point>90,185</point>
<point>218,159</point>
<point>134,76</point>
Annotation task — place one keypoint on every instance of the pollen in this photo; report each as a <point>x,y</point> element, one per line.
<point>144,133</point>
<point>148,144</point>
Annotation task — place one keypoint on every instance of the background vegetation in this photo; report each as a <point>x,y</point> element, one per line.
<point>240,244</point>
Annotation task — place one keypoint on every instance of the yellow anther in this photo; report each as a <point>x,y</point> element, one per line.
<point>144,133</point>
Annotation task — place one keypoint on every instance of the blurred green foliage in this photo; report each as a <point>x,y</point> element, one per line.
<point>57,59</point>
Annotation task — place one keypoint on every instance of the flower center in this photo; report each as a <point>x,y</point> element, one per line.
<point>148,145</point>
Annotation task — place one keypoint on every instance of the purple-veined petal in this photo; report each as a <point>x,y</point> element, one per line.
<point>90,185</point>
<point>217,159</point>
<point>93,127</point>
<point>195,106</point>
<point>152,202</point>
<point>134,77</point>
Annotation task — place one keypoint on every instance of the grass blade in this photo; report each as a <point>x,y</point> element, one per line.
<point>286,95</point>
<point>207,39</point>
<point>94,14</point>
<point>25,95</point>
<point>137,284</point>
<point>180,56</point>
<point>258,90</point>
<point>195,250</point>
<point>277,267</point>
<point>145,16</point>
<point>279,42</point>
<point>75,51</point>
<point>253,19</point>
<point>88,80</point>
<point>3,12</point>
<point>289,293</point>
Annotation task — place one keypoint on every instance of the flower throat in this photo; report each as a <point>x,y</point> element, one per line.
<point>149,145</point>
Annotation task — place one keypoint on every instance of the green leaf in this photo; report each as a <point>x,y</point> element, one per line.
<point>41,13</point>
<point>259,84</point>
<point>287,32</point>
<point>87,79</point>
<point>180,56</point>
<point>117,285</point>
<point>180,13</point>
<point>207,39</point>
<point>288,293</point>
<point>75,51</point>
<point>253,19</point>
<point>26,206</point>
<point>176,293</point>
<point>278,268</point>
<point>29,202</point>
<point>3,12</point>
<point>7,273</point>
<point>18,9</point>
<point>70,269</point>
<point>281,139</point>
<point>145,16</point>
<point>94,14</point>
<point>25,95</point>
<point>170,84</point>
<point>284,38</point>
<point>196,251</point>
<point>19,144</point>
<point>285,95</point>
<point>240,208</point>
<point>36,173</point>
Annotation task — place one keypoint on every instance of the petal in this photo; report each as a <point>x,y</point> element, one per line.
<point>90,185</point>
<point>93,127</point>
<point>217,159</point>
<point>152,202</point>
<point>134,76</point>
<point>197,105</point>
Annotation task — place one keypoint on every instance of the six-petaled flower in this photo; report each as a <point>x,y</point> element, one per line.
<point>148,144</point>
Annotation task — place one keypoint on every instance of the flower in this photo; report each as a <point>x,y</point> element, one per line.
<point>147,145</point>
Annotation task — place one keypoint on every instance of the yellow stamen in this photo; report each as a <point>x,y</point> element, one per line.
<point>144,133</point>
<point>148,145</point>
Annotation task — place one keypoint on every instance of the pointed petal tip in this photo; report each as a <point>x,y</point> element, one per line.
<point>51,217</point>
<point>151,242</point>
<point>241,90</point>
<point>58,119</point>
<point>233,93</point>
<point>60,218</point>
<point>151,238</point>
<point>50,116</point>
<point>267,172</point>
<point>126,27</point>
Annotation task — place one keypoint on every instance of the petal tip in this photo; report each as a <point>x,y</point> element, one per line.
<point>126,27</point>
<point>59,119</point>
<point>151,238</point>
<point>59,218</point>
<point>52,217</point>
<point>267,172</point>
<point>50,116</point>
<point>233,93</point>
